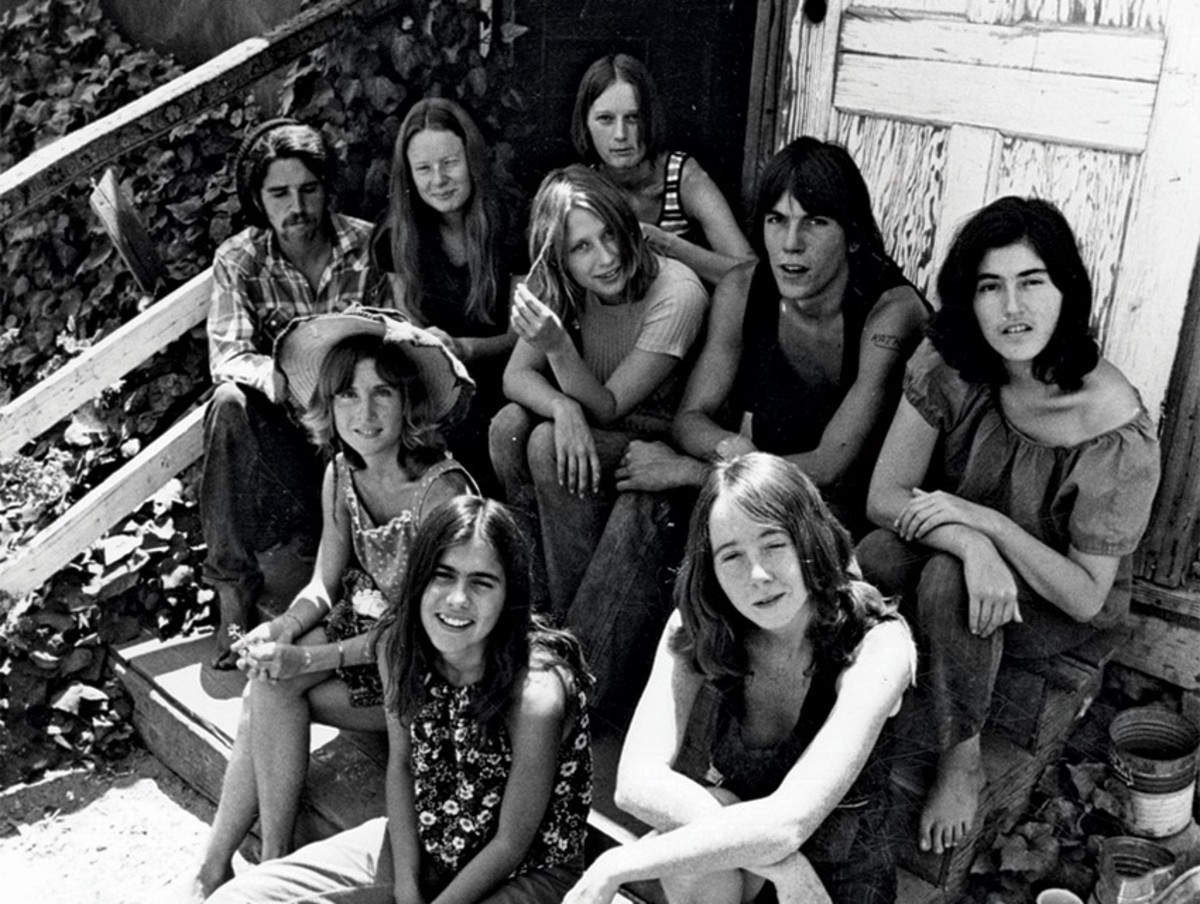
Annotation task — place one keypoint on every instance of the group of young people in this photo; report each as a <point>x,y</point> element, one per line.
<point>643,462</point>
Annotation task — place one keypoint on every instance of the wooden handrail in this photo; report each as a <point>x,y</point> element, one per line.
<point>91,517</point>
<point>50,169</point>
<point>82,378</point>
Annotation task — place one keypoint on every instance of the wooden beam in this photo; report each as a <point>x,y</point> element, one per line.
<point>1166,625</point>
<point>91,517</point>
<point>82,378</point>
<point>1150,295</point>
<point>48,170</point>
<point>1106,52</point>
<point>1086,110</point>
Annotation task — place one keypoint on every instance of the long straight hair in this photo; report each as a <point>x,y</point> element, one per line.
<point>412,224</point>
<point>771,490</point>
<point>519,639</point>
<point>577,187</point>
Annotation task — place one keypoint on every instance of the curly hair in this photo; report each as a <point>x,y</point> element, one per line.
<point>279,139</point>
<point>771,490</point>
<point>1072,352</point>
<point>577,187</point>
<point>411,223</point>
<point>598,78</point>
<point>420,439</point>
<point>519,639</point>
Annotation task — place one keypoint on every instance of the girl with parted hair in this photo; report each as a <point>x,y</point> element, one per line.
<point>451,250</point>
<point>605,325</point>
<point>755,749</point>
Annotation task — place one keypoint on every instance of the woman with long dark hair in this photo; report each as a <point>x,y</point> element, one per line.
<point>1014,483</point>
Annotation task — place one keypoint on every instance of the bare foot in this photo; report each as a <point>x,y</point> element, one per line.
<point>953,800</point>
<point>195,889</point>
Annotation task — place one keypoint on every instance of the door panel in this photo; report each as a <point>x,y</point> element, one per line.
<point>948,104</point>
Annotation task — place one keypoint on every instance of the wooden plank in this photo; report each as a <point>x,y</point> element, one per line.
<point>1166,635</point>
<point>968,181</point>
<point>1168,551</point>
<point>82,378</point>
<point>810,74</point>
<point>127,233</point>
<point>1164,221</point>
<point>903,164</point>
<point>1086,110</point>
<point>88,519</point>
<point>1109,52</point>
<point>1094,190</point>
<point>48,170</point>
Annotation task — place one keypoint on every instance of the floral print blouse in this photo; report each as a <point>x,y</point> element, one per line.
<point>459,774</point>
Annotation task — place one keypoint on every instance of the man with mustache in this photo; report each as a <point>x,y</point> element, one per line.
<point>261,479</point>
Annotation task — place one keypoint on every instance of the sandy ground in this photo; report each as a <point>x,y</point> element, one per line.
<point>116,837</point>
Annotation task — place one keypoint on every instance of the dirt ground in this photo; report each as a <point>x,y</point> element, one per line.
<point>118,836</point>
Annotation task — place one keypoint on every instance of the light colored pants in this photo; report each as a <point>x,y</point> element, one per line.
<point>355,867</point>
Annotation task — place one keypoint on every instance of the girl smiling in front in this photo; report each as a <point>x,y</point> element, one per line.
<point>753,747</point>
<point>604,325</point>
<point>1014,483</point>
<point>489,765</point>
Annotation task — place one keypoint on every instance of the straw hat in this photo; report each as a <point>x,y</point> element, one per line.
<point>301,348</point>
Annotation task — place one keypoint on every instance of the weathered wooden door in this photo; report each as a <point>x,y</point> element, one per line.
<point>948,104</point>
<point>1093,104</point>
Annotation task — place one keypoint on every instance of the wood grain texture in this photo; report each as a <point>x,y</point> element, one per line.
<point>82,378</point>
<point>902,164</point>
<point>91,517</point>
<point>1163,232</point>
<point>1110,52</point>
<point>1094,190</point>
<point>1075,109</point>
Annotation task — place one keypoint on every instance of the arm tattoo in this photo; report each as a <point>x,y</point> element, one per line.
<point>886,341</point>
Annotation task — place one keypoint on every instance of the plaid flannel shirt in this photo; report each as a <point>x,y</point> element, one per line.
<point>257,291</point>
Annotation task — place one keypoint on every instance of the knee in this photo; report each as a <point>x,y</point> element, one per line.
<point>881,556</point>
<point>543,460</point>
<point>228,410</point>
<point>508,434</point>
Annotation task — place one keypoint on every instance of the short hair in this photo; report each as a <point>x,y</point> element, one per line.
<point>826,181</point>
<point>279,139</point>
<point>577,187</point>
<point>771,490</point>
<point>519,637</point>
<point>598,78</point>
<point>420,437</point>
<point>412,223</point>
<point>1072,351</point>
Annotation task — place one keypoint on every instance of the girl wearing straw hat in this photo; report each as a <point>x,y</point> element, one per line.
<point>374,393</point>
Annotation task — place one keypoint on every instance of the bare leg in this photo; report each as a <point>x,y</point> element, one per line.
<point>283,713</point>
<point>235,815</point>
<point>953,800</point>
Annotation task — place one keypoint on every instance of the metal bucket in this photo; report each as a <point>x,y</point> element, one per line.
<point>1132,871</point>
<point>1154,751</point>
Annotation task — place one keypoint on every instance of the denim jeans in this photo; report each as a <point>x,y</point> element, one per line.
<point>523,455</point>
<point>260,484</point>
<point>624,598</point>
<point>957,668</point>
<point>355,867</point>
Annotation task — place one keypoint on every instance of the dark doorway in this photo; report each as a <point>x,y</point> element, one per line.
<point>699,52</point>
